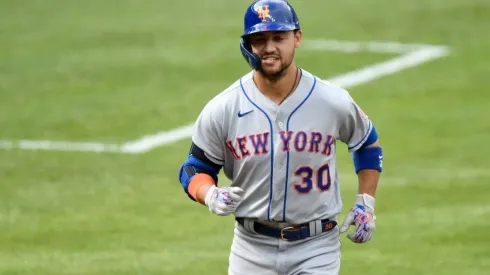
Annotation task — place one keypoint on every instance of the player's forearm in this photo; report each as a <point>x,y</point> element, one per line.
<point>368,181</point>
<point>201,193</point>
<point>199,187</point>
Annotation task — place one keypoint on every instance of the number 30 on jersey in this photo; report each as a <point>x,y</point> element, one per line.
<point>311,178</point>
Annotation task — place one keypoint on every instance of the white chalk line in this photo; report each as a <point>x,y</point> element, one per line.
<point>60,146</point>
<point>356,46</point>
<point>373,72</point>
<point>150,142</point>
<point>412,55</point>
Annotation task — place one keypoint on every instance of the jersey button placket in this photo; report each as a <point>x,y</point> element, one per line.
<point>281,161</point>
<point>279,175</point>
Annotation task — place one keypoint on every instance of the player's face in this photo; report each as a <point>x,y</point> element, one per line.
<point>276,51</point>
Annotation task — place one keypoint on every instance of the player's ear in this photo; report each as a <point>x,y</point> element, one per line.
<point>298,35</point>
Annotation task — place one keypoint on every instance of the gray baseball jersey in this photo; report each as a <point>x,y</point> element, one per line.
<point>282,156</point>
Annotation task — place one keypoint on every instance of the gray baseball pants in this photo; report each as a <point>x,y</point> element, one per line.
<point>255,254</point>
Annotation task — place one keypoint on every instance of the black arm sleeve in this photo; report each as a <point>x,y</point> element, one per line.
<point>199,154</point>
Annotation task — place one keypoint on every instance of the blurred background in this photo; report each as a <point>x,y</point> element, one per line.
<point>110,71</point>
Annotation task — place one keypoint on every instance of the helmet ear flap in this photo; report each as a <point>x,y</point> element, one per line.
<point>252,59</point>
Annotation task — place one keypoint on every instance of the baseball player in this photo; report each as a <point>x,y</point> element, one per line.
<point>274,133</point>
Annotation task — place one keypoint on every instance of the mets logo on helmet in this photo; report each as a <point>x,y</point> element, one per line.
<point>263,12</point>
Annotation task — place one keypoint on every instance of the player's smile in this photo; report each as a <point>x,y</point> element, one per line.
<point>269,60</point>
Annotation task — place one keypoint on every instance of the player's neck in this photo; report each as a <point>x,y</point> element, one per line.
<point>278,90</point>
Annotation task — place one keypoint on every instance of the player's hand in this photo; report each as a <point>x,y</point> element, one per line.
<point>223,200</point>
<point>362,216</point>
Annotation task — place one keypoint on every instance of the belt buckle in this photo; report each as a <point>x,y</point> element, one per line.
<point>282,233</point>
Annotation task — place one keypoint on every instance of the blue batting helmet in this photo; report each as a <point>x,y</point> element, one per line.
<point>266,15</point>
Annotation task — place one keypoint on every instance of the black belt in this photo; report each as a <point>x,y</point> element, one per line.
<point>291,233</point>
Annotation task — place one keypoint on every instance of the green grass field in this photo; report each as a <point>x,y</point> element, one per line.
<point>113,71</point>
